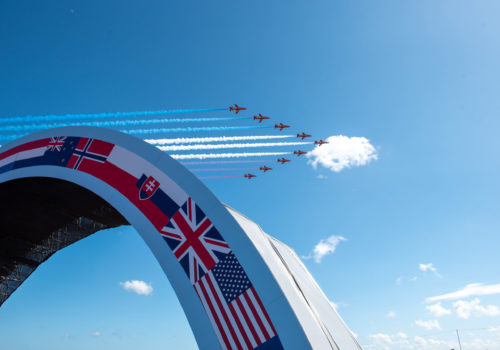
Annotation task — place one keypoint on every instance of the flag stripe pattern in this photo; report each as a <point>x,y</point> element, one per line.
<point>231,302</point>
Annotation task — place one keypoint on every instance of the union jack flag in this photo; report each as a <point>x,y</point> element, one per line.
<point>56,143</point>
<point>195,242</point>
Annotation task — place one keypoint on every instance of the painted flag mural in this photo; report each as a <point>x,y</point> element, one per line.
<point>232,304</point>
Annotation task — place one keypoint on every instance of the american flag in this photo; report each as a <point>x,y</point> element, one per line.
<point>233,306</point>
<point>195,242</point>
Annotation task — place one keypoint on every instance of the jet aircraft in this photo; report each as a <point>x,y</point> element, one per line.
<point>281,126</point>
<point>265,168</point>
<point>303,135</point>
<point>260,118</point>
<point>320,142</point>
<point>299,153</point>
<point>283,160</point>
<point>236,108</point>
<point>249,176</point>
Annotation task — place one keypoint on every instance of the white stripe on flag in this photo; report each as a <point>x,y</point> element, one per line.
<point>214,304</point>
<point>245,325</point>
<point>252,318</point>
<point>32,153</point>
<point>228,312</point>
<point>261,313</point>
<point>209,313</point>
<point>136,166</point>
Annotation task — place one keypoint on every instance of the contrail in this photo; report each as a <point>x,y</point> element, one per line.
<point>214,139</point>
<point>161,130</point>
<point>226,155</point>
<point>228,162</point>
<point>229,145</point>
<point>221,169</point>
<point>111,123</point>
<point>36,118</point>
<point>195,129</point>
<point>218,177</point>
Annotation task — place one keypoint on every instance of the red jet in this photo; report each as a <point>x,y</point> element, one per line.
<point>299,153</point>
<point>281,126</point>
<point>249,176</point>
<point>260,118</point>
<point>283,160</point>
<point>303,135</point>
<point>265,168</point>
<point>320,142</point>
<point>236,108</point>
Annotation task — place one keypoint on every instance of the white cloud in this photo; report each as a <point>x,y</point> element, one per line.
<point>322,177</point>
<point>381,338</point>
<point>469,290</point>
<point>429,325</point>
<point>401,279</point>
<point>425,267</point>
<point>342,152</point>
<point>428,267</point>
<point>95,334</point>
<point>437,310</point>
<point>400,341</point>
<point>465,309</point>
<point>391,314</point>
<point>139,287</point>
<point>324,248</point>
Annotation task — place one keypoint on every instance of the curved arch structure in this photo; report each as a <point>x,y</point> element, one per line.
<point>239,287</point>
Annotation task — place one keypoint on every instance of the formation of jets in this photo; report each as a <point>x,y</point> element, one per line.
<point>279,126</point>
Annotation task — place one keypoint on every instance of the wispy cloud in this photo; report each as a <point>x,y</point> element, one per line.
<point>95,334</point>
<point>469,290</point>
<point>391,314</point>
<point>465,309</point>
<point>429,267</point>
<point>437,310</point>
<point>138,287</point>
<point>342,152</point>
<point>429,324</point>
<point>324,248</point>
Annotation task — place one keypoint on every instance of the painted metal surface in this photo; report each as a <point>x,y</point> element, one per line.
<point>235,293</point>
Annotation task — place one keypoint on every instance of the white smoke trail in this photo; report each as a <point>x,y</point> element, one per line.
<point>229,145</point>
<point>214,139</point>
<point>226,155</point>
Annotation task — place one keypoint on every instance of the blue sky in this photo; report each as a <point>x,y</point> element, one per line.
<point>419,80</point>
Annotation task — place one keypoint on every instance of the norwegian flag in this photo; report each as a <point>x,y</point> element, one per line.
<point>234,308</point>
<point>195,242</point>
<point>88,153</point>
<point>56,143</point>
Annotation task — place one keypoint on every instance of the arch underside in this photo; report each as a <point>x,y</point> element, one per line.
<point>41,216</point>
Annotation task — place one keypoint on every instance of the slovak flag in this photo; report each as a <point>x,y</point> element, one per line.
<point>148,188</point>
<point>195,242</point>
